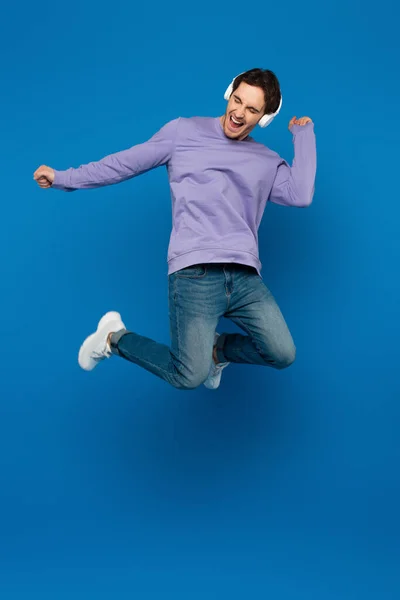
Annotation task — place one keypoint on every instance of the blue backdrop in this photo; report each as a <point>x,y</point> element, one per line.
<point>280,485</point>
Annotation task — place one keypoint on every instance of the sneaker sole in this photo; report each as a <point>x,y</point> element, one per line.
<point>102,327</point>
<point>214,387</point>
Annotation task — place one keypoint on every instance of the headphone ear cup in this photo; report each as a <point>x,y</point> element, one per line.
<point>265,120</point>
<point>228,92</point>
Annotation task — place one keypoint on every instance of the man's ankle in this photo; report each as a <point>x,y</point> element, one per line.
<point>215,355</point>
<point>109,338</point>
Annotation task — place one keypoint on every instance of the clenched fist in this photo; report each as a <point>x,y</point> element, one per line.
<point>301,121</point>
<point>44,176</point>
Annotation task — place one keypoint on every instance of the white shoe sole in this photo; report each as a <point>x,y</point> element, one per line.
<point>104,327</point>
<point>215,382</point>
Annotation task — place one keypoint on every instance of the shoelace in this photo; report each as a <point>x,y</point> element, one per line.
<point>215,369</point>
<point>98,356</point>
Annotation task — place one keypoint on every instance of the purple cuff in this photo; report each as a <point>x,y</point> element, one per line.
<point>59,182</point>
<point>296,128</point>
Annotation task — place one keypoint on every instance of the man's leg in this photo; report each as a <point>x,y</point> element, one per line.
<point>194,309</point>
<point>253,308</point>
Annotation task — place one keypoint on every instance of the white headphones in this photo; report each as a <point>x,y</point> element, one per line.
<point>266,119</point>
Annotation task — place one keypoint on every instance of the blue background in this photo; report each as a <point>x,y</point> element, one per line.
<point>280,485</point>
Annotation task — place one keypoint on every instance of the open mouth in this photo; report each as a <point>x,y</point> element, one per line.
<point>234,123</point>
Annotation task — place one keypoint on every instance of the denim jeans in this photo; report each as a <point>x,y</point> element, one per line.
<point>199,296</point>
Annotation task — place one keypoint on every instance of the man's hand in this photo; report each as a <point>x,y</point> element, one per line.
<point>44,176</point>
<point>301,121</point>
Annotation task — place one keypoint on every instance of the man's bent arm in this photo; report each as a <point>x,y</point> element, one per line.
<point>122,165</point>
<point>295,185</point>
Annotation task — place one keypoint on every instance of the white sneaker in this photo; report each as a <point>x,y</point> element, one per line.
<point>214,376</point>
<point>95,348</point>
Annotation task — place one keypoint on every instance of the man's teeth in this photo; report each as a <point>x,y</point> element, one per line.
<point>234,120</point>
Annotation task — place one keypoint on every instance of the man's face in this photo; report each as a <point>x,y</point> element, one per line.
<point>246,106</point>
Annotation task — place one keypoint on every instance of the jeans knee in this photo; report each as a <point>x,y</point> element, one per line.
<point>190,380</point>
<point>285,358</point>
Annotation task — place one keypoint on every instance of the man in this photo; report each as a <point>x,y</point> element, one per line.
<point>220,181</point>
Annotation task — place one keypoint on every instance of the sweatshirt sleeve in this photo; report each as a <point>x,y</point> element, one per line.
<point>122,165</point>
<point>295,185</point>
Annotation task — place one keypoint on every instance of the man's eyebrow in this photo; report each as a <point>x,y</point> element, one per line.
<point>251,107</point>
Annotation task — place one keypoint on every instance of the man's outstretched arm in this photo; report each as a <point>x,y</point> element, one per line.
<point>295,185</point>
<point>113,168</point>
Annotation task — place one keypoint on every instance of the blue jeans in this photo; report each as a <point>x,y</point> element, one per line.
<point>199,296</point>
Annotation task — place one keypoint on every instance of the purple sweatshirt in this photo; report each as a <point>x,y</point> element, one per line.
<point>219,187</point>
